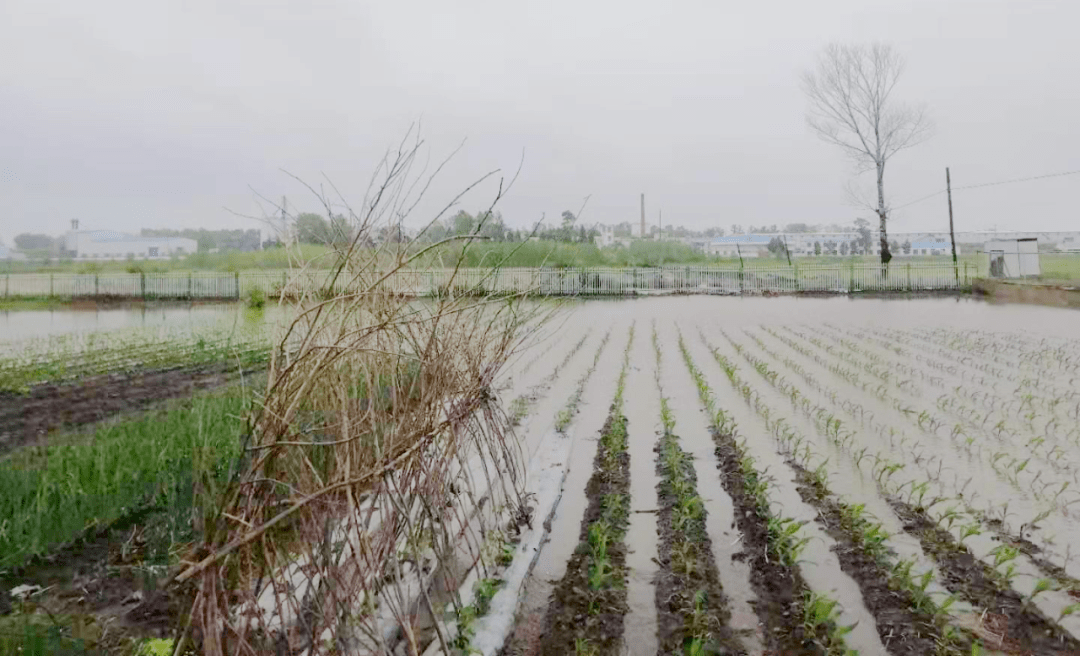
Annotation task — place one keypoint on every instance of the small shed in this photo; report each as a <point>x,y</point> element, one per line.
<point>1013,258</point>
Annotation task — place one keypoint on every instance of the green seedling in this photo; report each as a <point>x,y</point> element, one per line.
<point>484,592</point>
<point>969,530</point>
<point>1069,610</point>
<point>1042,585</point>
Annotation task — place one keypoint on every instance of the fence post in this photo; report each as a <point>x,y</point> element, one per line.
<point>851,277</point>
<point>237,279</point>
<point>909,276</point>
<point>96,292</point>
<point>189,284</point>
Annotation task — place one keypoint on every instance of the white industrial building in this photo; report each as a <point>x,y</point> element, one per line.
<point>740,245</point>
<point>9,255</point>
<point>112,245</point>
<point>932,247</point>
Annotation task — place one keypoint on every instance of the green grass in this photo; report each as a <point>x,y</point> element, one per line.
<point>39,634</point>
<point>276,259</point>
<point>1060,266</point>
<point>515,254</point>
<point>51,495</point>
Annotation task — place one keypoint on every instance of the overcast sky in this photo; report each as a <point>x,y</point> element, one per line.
<point>129,114</point>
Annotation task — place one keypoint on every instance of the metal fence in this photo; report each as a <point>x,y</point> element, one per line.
<point>584,281</point>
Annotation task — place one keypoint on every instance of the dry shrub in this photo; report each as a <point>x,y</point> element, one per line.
<point>376,469</point>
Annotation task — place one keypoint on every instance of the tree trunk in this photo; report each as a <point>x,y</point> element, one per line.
<point>882,215</point>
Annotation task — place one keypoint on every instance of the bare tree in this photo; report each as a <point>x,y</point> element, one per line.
<point>851,106</point>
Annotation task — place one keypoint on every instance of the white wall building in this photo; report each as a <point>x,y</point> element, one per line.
<point>933,247</point>
<point>1013,258</point>
<point>8,254</point>
<point>112,245</point>
<point>606,237</point>
<point>739,245</point>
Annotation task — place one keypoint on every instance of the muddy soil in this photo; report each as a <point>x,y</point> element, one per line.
<point>568,615</point>
<point>28,418</point>
<point>101,579</point>
<point>677,583</point>
<point>1009,624</point>
<point>903,630</point>
<point>779,589</point>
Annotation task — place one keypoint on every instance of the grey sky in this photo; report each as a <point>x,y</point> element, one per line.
<point>129,114</point>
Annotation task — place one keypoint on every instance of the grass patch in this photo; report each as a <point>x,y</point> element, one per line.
<point>51,495</point>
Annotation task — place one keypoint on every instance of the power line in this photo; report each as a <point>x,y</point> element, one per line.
<point>936,193</point>
<point>1034,177</point>
<point>987,184</point>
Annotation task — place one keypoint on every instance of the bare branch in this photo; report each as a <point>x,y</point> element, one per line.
<point>851,105</point>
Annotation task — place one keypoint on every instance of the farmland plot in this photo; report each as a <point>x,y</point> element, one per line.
<point>835,485</point>
<point>778,476</point>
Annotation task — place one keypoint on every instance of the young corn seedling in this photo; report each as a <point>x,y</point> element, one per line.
<point>820,615</point>
<point>1042,585</point>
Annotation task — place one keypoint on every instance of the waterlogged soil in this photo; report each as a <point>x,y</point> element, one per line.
<point>779,589</point>
<point>677,583</point>
<point>27,419</point>
<point>903,630</point>
<point>568,615</point>
<point>1008,625</point>
<point>100,581</point>
<point>555,553</point>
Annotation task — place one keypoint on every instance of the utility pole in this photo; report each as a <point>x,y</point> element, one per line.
<point>787,250</point>
<point>284,223</point>
<point>952,233</point>
<point>643,216</point>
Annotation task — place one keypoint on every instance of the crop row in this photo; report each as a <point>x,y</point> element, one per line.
<point>595,579</point>
<point>62,360</point>
<point>694,617</point>
<point>997,577</point>
<point>896,590</point>
<point>782,592</point>
<point>984,413</point>
<point>566,414</point>
<point>963,433</point>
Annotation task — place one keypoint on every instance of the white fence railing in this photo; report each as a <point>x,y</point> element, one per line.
<point>833,278</point>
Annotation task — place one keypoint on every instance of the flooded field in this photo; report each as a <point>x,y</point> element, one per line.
<point>706,475</point>
<point>809,476</point>
<point>19,325</point>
